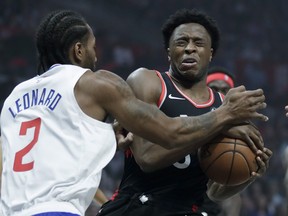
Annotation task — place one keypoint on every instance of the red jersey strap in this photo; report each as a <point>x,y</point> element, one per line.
<point>222,96</point>
<point>163,91</point>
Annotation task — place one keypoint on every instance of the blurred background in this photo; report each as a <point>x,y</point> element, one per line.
<point>253,47</point>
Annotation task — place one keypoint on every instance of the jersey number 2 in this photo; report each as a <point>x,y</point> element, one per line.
<point>18,163</point>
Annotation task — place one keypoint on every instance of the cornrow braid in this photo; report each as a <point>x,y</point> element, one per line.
<point>56,34</point>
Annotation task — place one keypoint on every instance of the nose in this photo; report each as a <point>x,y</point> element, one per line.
<point>190,47</point>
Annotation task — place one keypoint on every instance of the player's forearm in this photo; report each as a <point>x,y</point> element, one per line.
<point>100,197</point>
<point>217,192</point>
<point>198,130</point>
<point>151,157</point>
<point>180,132</point>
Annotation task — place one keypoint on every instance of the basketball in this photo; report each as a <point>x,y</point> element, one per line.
<point>227,161</point>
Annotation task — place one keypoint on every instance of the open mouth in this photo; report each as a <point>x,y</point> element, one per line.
<point>187,63</point>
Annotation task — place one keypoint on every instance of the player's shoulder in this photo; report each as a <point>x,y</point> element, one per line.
<point>143,76</point>
<point>145,84</point>
<point>140,72</point>
<point>143,70</point>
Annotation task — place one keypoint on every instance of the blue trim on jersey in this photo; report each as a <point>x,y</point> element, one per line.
<point>56,214</point>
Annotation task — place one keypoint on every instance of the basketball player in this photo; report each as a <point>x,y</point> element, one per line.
<point>55,140</point>
<point>165,182</point>
<point>221,80</point>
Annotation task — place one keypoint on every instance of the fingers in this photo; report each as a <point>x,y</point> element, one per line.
<point>251,144</point>
<point>129,138</point>
<point>256,101</point>
<point>247,132</point>
<point>256,137</point>
<point>258,105</point>
<point>264,156</point>
<point>259,116</point>
<point>268,152</point>
<point>249,93</point>
<point>123,142</point>
<point>262,168</point>
<point>240,88</point>
<point>244,105</point>
<point>262,160</point>
<point>255,93</point>
<point>116,125</point>
<point>255,142</point>
<point>123,138</point>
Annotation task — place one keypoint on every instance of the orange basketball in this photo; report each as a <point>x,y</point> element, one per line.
<point>227,161</point>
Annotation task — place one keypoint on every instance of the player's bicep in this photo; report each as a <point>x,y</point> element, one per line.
<point>118,99</point>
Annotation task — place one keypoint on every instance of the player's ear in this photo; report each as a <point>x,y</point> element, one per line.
<point>168,53</point>
<point>77,50</point>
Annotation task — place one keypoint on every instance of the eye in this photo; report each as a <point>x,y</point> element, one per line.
<point>200,43</point>
<point>181,42</point>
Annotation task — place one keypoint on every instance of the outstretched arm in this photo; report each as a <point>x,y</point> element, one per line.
<point>110,94</point>
<point>151,157</point>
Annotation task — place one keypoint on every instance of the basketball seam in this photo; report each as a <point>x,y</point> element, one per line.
<point>227,178</point>
<point>232,162</point>
<point>250,168</point>
<point>215,159</point>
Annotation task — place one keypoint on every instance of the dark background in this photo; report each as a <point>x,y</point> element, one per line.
<point>253,46</point>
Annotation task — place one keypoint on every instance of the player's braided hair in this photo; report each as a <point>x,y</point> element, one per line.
<point>57,32</point>
<point>183,16</point>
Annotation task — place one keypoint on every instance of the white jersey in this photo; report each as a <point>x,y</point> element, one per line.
<point>53,153</point>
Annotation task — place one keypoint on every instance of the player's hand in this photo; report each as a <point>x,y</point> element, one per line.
<point>286,110</point>
<point>242,105</point>
<point>262,158</point>
<point>123,138</point>
<point>249,133</point>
